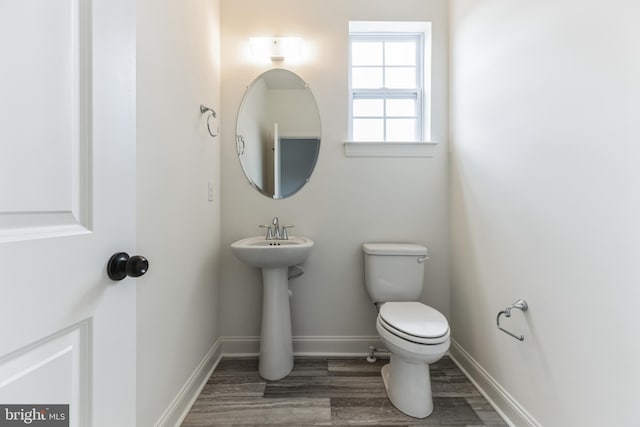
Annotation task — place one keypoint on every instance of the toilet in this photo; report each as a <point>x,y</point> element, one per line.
<point>415,334</point>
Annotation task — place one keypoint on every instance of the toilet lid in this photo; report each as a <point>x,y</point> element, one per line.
<point>414,321</point>
<point>397,249</point>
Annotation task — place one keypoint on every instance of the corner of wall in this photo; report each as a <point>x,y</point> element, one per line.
<point>178,334</point>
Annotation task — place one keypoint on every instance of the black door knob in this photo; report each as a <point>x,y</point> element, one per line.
<point>122,265</point>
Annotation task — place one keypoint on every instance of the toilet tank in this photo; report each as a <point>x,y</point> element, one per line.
<point>394,271</point>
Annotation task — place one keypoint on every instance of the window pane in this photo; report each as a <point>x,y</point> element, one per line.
<point>368,107</point>
<point>366,53</point>
<point>366,78</point>
<point>401,130</point>
<point>400,78</point>
<point>401,107</point>
<point>368,130</point>
<point>400,53</point>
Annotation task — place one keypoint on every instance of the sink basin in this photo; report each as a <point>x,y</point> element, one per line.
<point>259,252</point>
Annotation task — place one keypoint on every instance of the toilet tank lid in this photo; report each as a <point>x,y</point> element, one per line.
<point>394,249</point>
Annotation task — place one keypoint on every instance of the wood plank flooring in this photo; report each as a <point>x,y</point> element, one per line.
<point>331,392</point>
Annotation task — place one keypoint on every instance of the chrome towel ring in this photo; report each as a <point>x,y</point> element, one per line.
<point>520,305</point>
<point>203,110</point>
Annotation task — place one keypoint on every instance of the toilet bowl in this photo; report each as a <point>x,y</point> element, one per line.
<point>416,335</point>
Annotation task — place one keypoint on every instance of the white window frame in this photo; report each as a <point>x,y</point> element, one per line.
<point>391,31</point>
<point>384,93</point>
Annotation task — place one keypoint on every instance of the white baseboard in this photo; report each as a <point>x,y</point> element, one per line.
<point>181,404</point>
<point>240,346</point>
<point>509,409</point>
<point>334,346</point>
<point>319,346</point>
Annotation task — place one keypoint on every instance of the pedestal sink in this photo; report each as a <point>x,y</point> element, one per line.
<point>274,257</point>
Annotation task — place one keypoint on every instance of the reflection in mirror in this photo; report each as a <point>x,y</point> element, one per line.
<point>278,133</point>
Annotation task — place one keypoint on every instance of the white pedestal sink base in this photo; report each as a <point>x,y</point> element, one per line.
<point>276,347</point>
<point>274,258</point>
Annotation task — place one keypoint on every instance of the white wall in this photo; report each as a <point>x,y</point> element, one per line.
<point>349,200</point>
<point>178,229</point>
<point>545,202</point>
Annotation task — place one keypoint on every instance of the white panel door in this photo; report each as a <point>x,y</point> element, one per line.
<point>67,203</point>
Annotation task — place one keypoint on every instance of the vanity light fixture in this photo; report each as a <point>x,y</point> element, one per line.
<point>276,48</point>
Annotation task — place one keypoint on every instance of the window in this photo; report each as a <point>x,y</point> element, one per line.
<point>387,82</point>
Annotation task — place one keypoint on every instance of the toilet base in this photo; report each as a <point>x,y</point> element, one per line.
<point>408,386</point>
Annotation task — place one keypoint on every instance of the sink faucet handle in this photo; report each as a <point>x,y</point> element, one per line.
<point>269,231</point>
<point>284,235</point>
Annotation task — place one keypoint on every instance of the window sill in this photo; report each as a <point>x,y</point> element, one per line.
<point>389,149</point>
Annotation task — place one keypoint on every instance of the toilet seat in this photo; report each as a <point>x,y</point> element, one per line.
<point>414,322</point>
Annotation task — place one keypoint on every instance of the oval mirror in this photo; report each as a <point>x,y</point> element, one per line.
<point>278,133</point>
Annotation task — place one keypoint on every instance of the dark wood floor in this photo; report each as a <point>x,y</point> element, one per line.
<point>331,392</point>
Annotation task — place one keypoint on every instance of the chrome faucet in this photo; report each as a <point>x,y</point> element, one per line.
<point>274,231</point>
<point>276,228</point>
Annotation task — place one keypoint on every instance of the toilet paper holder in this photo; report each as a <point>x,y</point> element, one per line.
<point>520,305</point>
